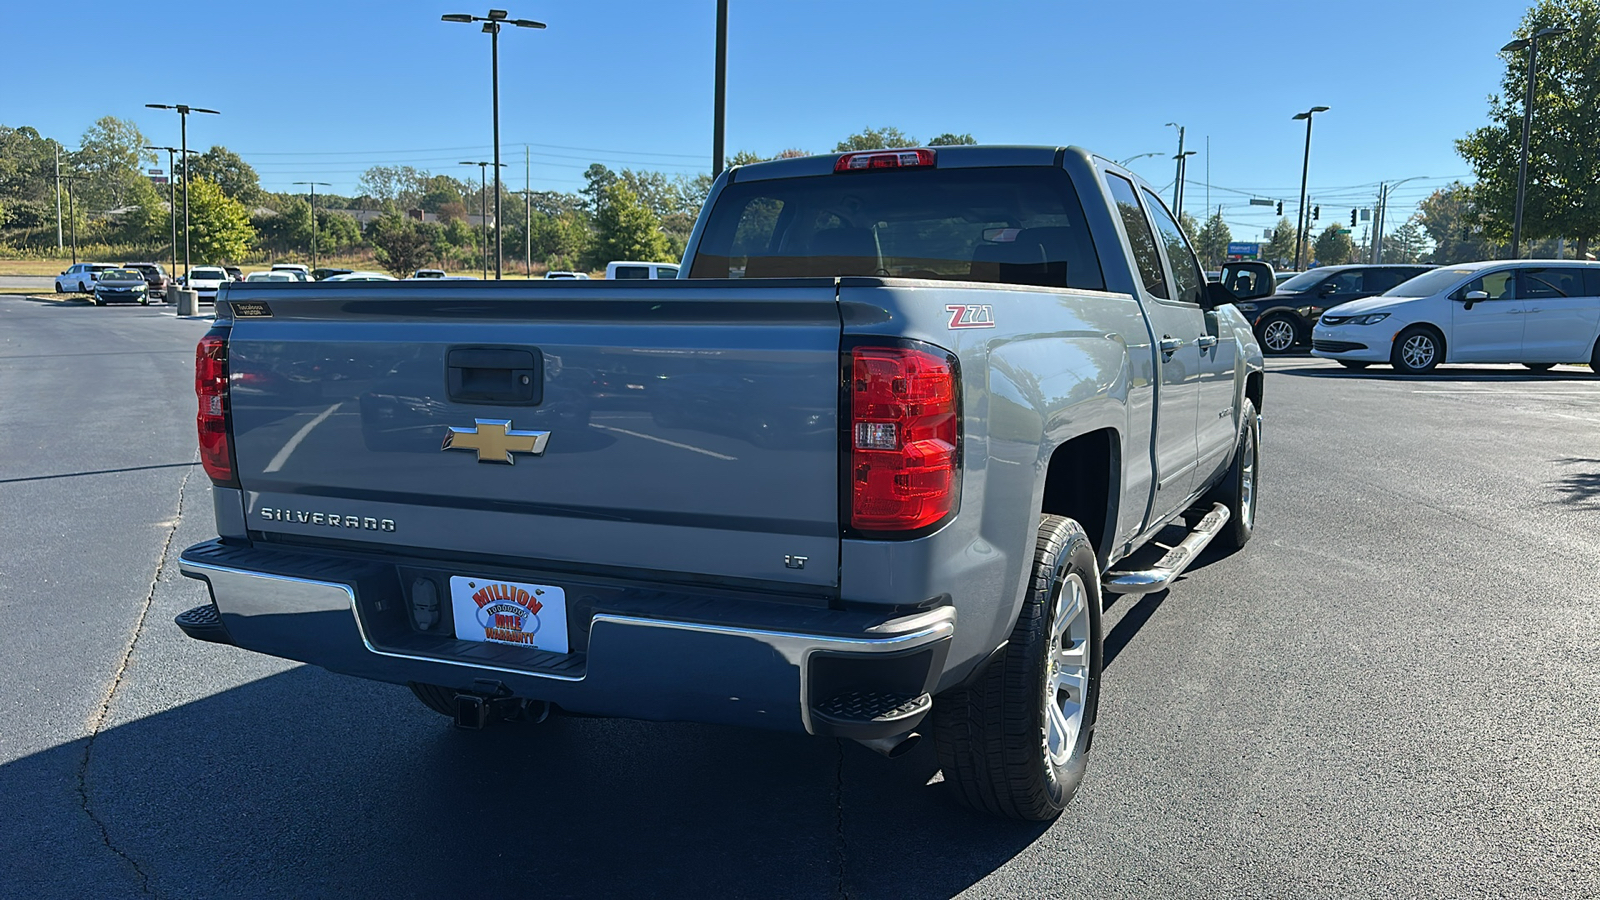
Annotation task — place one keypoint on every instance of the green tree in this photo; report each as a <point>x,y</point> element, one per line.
<point>442,190</point>
<point>395,188</point>
<point>28,165</point>
<point>287,230</point>
<point>875,139</point>
<point>1452,223</point>
<point>596,179</point>
<point>219,227</point>
<point>228,171</point>
<point>1279,251</point>
<point>145,217</point>
<point>1406,244</point>
<point>626,229</point>
<point>108,157</point>
<point>1563,191</point>
<point>949,140</point>
<point>336,231</point>
<point>1211,243</point>
<point>1333,246</point>
<point>400,246</point>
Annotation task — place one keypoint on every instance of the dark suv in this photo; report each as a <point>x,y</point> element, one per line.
<point>1283,321</point>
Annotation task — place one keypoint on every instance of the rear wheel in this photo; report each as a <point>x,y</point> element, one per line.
<point>1354,364</point>
<point>1594,359</point>
<point>1417,351</point>
<point>1014,742</point>
<point>1279,334</point>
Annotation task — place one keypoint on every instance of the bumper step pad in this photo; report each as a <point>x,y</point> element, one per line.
<point>203,623</point>
<point>871,714</point>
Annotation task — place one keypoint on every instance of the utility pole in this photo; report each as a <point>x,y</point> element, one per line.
<point>1208,174</point>
<point>72,213</point>
<point>58,199</point>
<point>1177,186</point>
<point>1377,224</point>
<point>719,120</point>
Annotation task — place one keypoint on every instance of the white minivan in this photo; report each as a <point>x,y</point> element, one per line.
<point>1531,311</point>
<point>641,270</point>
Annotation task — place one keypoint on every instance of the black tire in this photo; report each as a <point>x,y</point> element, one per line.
<point>82,289</point>
<point>1357,365</point>
<point>1237,491</point>
<point>441,700</point>
<point>58,288</point>
<point>992,734</point>
<point>1280,333</point>
<point>1594,359</point>
<point>1418,350</point>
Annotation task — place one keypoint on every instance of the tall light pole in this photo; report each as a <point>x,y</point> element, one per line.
<point>172,201</point>
<point>1382,213</point>
<point>1305,169</point>
<point>719,119</point>
<point>72,212</point>
<point>313,185</point>
<point>491,27</point>
<point>1532,46</point>
<point>483,211</point>
<point>1183,175</point>
<point>183,127</point>
<point>1177,186</point>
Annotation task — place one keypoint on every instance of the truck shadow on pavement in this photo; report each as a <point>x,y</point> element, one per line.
<point>310,784</point>
<point>1581,488</point>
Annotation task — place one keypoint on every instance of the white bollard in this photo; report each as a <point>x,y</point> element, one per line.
<point>188,302</point>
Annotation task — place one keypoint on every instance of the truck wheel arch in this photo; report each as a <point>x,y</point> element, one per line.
<point>1083,483</point>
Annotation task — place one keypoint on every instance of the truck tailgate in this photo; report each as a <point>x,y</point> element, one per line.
<point>692,426</point>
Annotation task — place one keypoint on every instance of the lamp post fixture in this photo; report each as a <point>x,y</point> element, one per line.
<point>1532,46</point>
<point>1301,221</point>
<point>1177,186</point>
<point>491,27</point>
<point>172,200</point>
<point>1381,215</point>
<point>1139,156</point>
<point>183,111</point>
<point>483,213</point>
<point>313,185</point>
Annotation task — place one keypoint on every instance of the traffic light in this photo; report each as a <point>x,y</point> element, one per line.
<point>1316,213</point>
<point>1280,207</point>
<point>1352,218</point>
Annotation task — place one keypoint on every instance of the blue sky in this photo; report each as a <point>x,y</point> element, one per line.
<point>323,90</point>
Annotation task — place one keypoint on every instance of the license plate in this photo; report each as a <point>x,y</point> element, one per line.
<point>510,612</point>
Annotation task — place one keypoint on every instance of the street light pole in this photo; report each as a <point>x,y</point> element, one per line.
<point>1130,159</point>
<point>491,26</point>
<point>72,213</point>
<point>183,111</point>
<point>719,120</point>
<point>1305,170</point>
<point>483,213</point>
<point>172,204</point>
<point>313,185</point>
<point>1177,186</point>
<point>1532,45</point>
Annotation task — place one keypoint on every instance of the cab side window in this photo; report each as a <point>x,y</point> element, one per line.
<point>1140,237</point>
<point>1498,285</point>
<point>1350,282</point>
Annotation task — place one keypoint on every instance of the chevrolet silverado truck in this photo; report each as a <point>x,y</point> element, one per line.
<point>866,469</point>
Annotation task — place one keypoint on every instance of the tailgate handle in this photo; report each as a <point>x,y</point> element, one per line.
<point>506,375</point>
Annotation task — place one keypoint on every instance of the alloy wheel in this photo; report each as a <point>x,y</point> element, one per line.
<point>1278,336</point>
<point>1066,681</point>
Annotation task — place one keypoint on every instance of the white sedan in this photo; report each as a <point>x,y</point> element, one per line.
<point>1535,312</point>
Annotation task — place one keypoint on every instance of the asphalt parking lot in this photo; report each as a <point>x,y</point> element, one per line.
<point>1393,691</point>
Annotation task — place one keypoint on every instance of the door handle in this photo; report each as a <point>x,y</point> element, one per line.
<point>1170,344</point>
<point>1206,341</point>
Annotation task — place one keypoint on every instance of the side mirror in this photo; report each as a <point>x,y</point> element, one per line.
<point>1241,281</point>
<point>1471,297</point>
<point>1327,288</point>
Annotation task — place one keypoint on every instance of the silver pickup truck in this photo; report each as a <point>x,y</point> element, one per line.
<point>869,466</point>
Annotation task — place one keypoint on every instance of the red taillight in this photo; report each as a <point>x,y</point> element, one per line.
<point>883,159</point>
<point>211,387</point>
<point>904,431</point>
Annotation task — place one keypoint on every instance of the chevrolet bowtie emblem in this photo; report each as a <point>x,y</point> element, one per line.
<point>495,441</point>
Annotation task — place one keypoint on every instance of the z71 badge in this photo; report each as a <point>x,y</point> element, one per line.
<point>974,316</point>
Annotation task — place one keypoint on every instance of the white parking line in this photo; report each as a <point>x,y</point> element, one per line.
<point>1509,393</point>
<point>651,437</point>
<point>288,448</point>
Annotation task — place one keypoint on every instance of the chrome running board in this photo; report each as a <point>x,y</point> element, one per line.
<point>1160,576</point>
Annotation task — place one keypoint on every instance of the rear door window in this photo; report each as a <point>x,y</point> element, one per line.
<point>1142,239</point>
<point>1563,281</point>
<point>632,272</point>
<point>1591,282</point>
<point>1017,225</point>
<point>1379,280</point>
